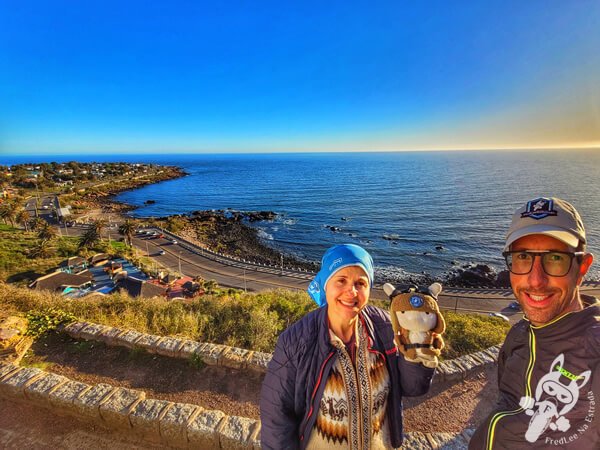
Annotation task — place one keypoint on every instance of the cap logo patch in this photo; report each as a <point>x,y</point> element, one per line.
<point>539,208</point>
<point>313,287</point>
<point>336,262</point>
<point>416,301</point>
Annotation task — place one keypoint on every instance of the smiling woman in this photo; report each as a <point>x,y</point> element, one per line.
<point>336,379</point>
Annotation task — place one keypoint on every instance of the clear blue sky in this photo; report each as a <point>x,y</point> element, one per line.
<point>221,76</point>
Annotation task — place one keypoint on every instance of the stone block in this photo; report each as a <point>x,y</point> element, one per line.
<point>236,433</point>
<point>190,347</point>
<point>255,437</point>
<point>203,431</point>
<point>88,403</point>
<point>15,383</point>
<point>485,358</point>
<point>129,338</point>
<point>74,328</point>
<point>236,358</point>
<point>115,411</point>
<point>110,336</point>
<point>493,352</point>
<point>39,390</point>
<point>258,361</point>
<point>173,425</point>
<point>7,368</point>
<point>169,347</point>
<point>416,441</point>
<point>92,331</point>
<point>145,418</point>
<point>212,353</point>
<point>450,371</point>
<point>62,398</point>
<point>148,342</point>
<point>449,441</point>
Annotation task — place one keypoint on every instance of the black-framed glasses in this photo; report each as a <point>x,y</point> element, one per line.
<point>555,264</point>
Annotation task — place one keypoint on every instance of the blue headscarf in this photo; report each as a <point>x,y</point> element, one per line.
<point>334,259</point>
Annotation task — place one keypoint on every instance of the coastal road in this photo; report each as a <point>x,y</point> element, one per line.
<point>191,260</point>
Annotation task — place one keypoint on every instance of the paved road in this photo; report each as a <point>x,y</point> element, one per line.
<point>188,259</point>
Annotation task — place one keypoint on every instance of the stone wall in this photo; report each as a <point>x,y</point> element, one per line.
<point>239,358</point>
<point>181,425</point>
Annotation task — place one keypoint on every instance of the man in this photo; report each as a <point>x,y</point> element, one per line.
<point>549,365</point>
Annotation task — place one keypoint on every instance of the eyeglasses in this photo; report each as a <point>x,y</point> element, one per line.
<point>555,264</point>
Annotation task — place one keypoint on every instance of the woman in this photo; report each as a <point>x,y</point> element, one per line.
<point>336,379</point>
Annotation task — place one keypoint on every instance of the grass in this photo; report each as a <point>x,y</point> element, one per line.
<point>469,333</point>
<point>247,320</point>
<point>17,267</point>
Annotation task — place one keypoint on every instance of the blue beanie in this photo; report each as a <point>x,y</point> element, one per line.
<point>334,259</point>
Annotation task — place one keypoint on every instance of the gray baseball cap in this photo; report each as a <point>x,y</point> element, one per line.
<point>548,216</point>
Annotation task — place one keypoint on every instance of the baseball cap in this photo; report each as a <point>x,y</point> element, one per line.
<point>334,259</point>
<point>548,216</point>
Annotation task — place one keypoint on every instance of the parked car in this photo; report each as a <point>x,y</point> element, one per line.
<point>499,316</point>
<point>174,241</point>
<point>162,252</point>
<point>515,306</point>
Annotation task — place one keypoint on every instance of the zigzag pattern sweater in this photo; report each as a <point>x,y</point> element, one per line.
<point>352,410</point>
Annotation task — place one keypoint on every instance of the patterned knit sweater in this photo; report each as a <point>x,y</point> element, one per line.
<point>352,409</point>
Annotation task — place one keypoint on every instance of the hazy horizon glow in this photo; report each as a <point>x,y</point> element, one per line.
<point>231,77</point>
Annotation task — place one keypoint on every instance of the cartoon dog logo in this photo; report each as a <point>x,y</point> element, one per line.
<point>553,399</point>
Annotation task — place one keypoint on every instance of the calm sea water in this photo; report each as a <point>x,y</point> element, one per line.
<point>402,207</point>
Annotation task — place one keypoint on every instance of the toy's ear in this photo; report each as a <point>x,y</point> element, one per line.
<point>435,290</point>
<point>388,289</point>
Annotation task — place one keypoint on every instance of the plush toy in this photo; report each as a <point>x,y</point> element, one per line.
<point>417,322</point>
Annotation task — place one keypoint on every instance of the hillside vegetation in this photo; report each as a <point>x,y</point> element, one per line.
<point>247,320</point>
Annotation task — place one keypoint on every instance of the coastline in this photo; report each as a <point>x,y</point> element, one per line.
<point>230,232</point>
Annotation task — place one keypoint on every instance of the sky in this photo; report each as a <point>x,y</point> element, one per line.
<point>270,76</point>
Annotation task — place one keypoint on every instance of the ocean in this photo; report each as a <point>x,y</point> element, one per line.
<point>416,212</point>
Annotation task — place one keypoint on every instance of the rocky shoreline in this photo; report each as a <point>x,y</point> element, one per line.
<point>231,232</point>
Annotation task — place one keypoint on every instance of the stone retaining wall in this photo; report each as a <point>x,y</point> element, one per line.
<point>182,425</point>
<point>176,425</point>
<point>238,358</point>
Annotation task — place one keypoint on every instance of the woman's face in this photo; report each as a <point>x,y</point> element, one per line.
<point>347,292</point>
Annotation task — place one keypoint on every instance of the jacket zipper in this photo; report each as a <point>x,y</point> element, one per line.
<point>492,427</point>
<point>312,397</point>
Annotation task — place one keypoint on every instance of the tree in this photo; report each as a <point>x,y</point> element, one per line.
<point>89,239</point>
<point>23,218</point>
<point>43,249</point>
<point>98,226</point>
<point>38,224</point>
<point>210,286</point>
<point>127,229</point>
<point>8,212</point>
<point>47,232</point>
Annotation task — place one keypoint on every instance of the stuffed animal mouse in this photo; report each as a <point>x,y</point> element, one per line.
<point>417,322</point>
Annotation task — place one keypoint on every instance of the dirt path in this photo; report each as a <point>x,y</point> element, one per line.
<point>448,407</point>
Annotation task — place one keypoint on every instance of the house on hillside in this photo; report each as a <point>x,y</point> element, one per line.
<point>74,264</point>
<point>63,282</point>
<point>140,288</point>
<point>184,287</point>
<point>99,259</point>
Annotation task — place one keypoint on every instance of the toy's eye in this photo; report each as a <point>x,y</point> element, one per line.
<point>402,312</point>
<point>426,312</point>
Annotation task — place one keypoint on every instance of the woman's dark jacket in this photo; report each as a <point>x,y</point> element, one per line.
<point>297,374</point>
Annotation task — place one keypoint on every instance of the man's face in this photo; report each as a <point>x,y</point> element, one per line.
<point>544,297</point>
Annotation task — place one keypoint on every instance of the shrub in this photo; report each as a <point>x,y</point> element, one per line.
<point>468,333</point>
